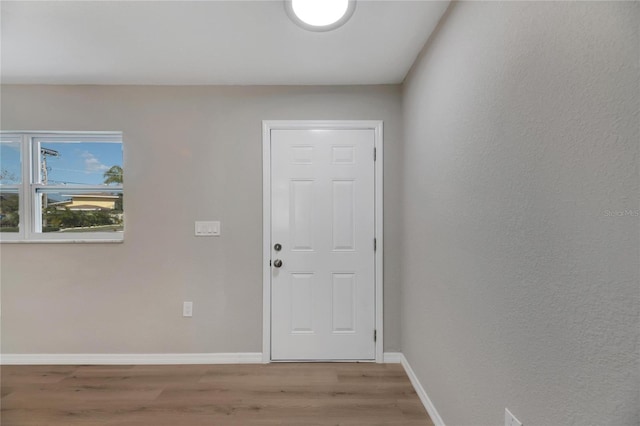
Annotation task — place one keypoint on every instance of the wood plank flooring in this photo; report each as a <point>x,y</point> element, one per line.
<point>304,394</point>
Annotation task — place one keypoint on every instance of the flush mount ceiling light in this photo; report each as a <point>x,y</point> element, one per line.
<point>320,15</point>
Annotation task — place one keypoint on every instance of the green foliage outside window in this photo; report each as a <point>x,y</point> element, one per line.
<point>9,213</point>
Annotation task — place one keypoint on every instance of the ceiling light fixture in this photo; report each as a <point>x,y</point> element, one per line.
<point>320,15</point>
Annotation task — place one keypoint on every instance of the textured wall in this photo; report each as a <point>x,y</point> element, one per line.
<point>520,267</point>
<point>190,153</point>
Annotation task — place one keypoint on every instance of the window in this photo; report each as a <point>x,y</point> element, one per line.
<point>61,187</point>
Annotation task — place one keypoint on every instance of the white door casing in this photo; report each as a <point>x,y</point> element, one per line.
<point>323,205</point>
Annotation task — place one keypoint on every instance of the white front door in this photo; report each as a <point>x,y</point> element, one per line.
<point>322,244</point>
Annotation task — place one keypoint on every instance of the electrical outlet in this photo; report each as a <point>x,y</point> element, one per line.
<point>510,419</point>
<point>187,309</point>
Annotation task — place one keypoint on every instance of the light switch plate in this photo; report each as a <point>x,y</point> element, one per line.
<point>207,228</point>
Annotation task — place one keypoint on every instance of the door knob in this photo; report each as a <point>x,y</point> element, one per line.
<point>277,263</point>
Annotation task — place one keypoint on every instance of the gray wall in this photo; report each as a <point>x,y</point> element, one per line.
<point>190,153</point>
<point>520,282</point>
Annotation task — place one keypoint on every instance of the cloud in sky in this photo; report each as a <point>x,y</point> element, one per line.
<point>15,146</point>
<point>92,164</point>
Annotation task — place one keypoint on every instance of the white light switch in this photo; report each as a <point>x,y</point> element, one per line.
<point>207,228</point>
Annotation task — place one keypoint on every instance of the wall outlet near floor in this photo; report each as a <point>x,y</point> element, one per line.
<point>510,419</point>
<point>187,309</point>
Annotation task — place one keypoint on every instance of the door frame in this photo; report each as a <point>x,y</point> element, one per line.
<point>267,126</point>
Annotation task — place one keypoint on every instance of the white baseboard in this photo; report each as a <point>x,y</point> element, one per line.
<point>422,394</point>
<point>392,358</point>
<point>138,359</point>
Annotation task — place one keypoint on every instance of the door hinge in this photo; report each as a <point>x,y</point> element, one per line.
<point>375,244</point>
<point>375,335</point>
<point>375,154</point>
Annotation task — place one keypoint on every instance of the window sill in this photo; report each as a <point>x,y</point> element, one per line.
<point>74,241</point>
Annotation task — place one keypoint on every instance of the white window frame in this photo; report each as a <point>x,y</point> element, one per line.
<point>20,235</point>
<point>29,205</point>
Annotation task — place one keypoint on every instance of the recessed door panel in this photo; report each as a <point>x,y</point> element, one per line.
<point>301,216</point>
<point>344,303</point>
<point>343,215</point>
<point>343,154</point>
<point>302,154</point>
<point>301,303</point>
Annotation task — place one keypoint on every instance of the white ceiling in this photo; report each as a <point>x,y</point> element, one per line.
<point>207,42</point>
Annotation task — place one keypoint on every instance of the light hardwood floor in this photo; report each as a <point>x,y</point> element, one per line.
<point>345,394</point>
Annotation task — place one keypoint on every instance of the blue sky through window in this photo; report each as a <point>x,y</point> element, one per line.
<point>10,163</point>
<point>81,163</point>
